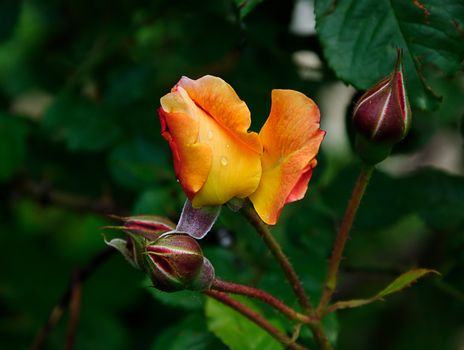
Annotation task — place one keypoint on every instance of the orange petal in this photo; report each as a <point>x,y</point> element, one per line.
<point>220,101</point>
<point>212,163</point>
<point>179,126</point>
<point>291,138</point>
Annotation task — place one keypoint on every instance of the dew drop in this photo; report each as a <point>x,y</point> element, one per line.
<point>224,161</point>
<point>210,134</point>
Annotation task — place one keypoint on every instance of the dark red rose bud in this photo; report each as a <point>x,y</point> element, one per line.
<point>175,262</point>
<point>382,115</point>
<point>139,230</point>
<point>147,226</point>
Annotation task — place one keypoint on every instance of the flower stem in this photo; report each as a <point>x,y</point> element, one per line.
<point>241,289</point>
<point>256,318</point>
<point>74,308</point>
<point>292,277</point>
<point>274,246</point>
<point>342,236</point>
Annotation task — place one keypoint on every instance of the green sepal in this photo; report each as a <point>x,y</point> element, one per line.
<point>139,243</point>
<point>205,277</point>
<point>371,152</point>
<point>235,204</point>
<point>121,246</point>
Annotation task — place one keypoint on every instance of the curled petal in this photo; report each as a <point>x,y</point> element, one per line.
<point>215,157</point>
<point>179,126</point>
<point>219,99</point>
<point>291,138</point>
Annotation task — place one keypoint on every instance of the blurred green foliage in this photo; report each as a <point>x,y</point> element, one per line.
<point>80,83</point>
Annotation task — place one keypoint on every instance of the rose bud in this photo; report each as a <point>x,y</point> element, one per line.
<point>147,226</point>
<point>140,230</point>
<point>175,262</point>
<point>382,116</point>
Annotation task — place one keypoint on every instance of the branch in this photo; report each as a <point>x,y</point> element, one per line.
<point>74,308</point>
<point>292,277</point>
<point>274,247</point>
<point>46,196</point>
<point>58,309</point>
<point>241,289</point>
<point>342,236</point>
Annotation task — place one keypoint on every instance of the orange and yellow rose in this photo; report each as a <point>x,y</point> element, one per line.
<point>216,158</point>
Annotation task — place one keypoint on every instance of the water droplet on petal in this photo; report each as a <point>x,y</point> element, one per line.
<point>210,134</point>
<point>224,161</point>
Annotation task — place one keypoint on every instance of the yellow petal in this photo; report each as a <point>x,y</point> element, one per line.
<point>218,158</point>
<point>235,168</point>
<point>291,138</point>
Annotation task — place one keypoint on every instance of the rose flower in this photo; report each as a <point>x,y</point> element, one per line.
<point>216,158</point>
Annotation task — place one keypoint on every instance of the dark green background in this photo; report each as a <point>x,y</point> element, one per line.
<point>80,83</point>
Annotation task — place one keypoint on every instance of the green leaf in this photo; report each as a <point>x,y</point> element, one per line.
<point>13,134</point>
<point>360,38</point>
<point>403,281</point>
<point>83,125</point>
<point>235,330</point>
<point>246,6</point>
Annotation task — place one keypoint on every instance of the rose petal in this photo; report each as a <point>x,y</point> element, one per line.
<point>220,101</point>
<point>179,126</point>
<point>291,138</point>
<point>301,185</point>
<point>213,163</point>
